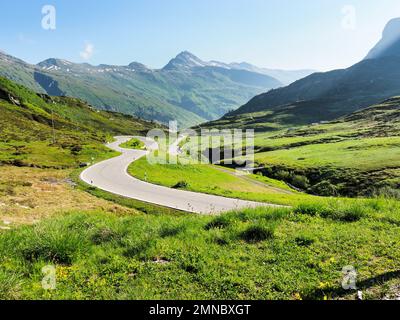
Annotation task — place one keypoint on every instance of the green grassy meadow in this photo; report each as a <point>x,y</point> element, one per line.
<point>251,254</point>
<point>104,246</point>
<point>206,178</point>
<point>356,155</point>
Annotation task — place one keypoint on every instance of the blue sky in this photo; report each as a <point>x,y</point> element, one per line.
<point>289,34</point>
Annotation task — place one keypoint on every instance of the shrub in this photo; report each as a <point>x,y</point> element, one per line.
<point>255,234</point>
<point>181,185</point>
<point>388,192</point>
<point>324,188</point>
<point>75,149</point>
<point>300,181</point>
<point>282,175</point>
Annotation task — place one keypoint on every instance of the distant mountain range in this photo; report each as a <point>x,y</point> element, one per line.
<point>187,89</point>
<point>326,96</point>
<point>286,77</point>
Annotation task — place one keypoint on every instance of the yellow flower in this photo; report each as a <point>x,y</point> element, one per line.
<point>62,272</point>
<point>297,296</point>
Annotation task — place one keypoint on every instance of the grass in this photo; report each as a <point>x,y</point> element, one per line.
<point>354,167</point>
<point>134,143</point>
<point>209,179</point>
<point>357,155</point>
<point>105,246</point>
<point>29,195</point>
<point>253,254</point>
<point>370,153</point>
<point>28,139</point>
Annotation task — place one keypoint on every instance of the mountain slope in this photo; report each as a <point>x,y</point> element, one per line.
<point>389,45</point>
<point>40,130</point>
<point>326,96</point>
<point>19,71</point>
<point>355,155</point>
<point>187,89</point>
<point>286,77</point>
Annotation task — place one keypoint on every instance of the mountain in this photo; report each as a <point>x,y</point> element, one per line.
<point>326,96</point>
<point>389,45</point>
<point>187,89</point>
<point>286,77</point>
<point>185,60</point>
<point>19,71</point>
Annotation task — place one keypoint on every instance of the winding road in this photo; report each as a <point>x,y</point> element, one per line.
<point>111,175</point>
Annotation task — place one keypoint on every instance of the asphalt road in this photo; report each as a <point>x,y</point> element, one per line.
<point>111,175</point>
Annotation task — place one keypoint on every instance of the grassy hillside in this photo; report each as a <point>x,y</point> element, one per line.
<point>286,116</point>
<point>252,254</point>
<point>108,247</point>
<point>26,125</point>
<point>355,155</point>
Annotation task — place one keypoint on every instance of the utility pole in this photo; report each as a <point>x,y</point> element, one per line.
<point>52,124</point>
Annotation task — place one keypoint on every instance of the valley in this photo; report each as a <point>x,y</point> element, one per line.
<point>111,176</point>
<point>80,194</point>
<point>105,246</point>
<point>324,96</point>
<point>187,89</point>
<point>355,155</point>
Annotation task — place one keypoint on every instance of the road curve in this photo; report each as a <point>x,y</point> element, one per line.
<point>111,175</point>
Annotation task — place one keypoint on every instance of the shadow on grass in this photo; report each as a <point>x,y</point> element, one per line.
<point>338,292</point>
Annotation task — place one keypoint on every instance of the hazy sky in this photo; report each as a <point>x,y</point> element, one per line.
<point>290,34</point>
